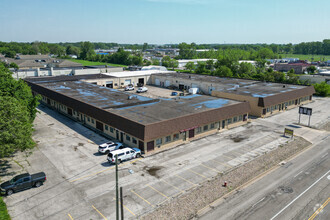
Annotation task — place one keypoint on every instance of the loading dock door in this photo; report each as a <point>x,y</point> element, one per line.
<point>157,82</point>
<point>99,125</point>
<point>109,84</point>
<point>181,86</point>
<point>127,82</point>
<point>167,83</point>
<point>141,81</point>
<point>150,146</point>
<point>191,133</point>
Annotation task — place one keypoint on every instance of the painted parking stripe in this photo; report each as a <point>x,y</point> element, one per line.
<point>99,213</point>
<point>231,158</point>
<point>173,186</point>
<point>319,209</point>
<point>70,216</point>
<point>141,198</point>
<point>210,168</point>
<point>157,191</point>
<point>186,180</point>
<point>198,174</point>
<point>224,164</point>
<point>126,208</point>
<point>94,174</point>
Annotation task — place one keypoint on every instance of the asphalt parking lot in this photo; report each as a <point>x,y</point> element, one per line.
<point>81,184</point>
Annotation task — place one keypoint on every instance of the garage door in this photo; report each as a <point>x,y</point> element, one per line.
<point>127,82</point>
<point>157,82</point>
<point>167,83</point>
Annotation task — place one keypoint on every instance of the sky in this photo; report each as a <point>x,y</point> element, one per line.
<point>165,21</point>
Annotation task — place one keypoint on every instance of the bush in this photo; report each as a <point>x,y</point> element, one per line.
<point>322,89</point>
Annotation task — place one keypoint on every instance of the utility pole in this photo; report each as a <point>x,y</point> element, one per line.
<point>117,197</point>
<point>121,203</point>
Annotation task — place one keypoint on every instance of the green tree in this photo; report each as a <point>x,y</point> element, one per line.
<point>155,62</point>
<point>14,65</point>
<point>145,47</point>
<point>190,66</point>
<point>311,69</point>
<point>15,126</point>
<point>223,71</point>
<point>166,61</point>
<point>265,53</point>
<point>201,68</point>
<point>72,50</point>
<point>87,50</point>
<point>322,89</point>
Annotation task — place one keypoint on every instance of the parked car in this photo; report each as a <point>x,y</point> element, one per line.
<point>142,89</point>
<point>129,87</point>
<point>22,182</point>
<point>124,154</point>
<point>109,146</point>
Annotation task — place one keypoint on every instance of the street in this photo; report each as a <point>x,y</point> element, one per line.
<point>296,190</point>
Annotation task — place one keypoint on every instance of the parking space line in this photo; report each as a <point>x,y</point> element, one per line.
<point>157,191</point>
<point>198,174</point>
<point>187,180</point>
<point>173,186</point>
<point>227,165</point>
<point>70,216</point>
<point>319,209</point>
<point>215,170</point>
<point>141,197</point>
<point>231,158</point>
<point>126,208</point>
<point>94,174</point>
<point>99,213</point>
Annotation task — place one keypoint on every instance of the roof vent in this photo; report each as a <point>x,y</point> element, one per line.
<point>283,86</point>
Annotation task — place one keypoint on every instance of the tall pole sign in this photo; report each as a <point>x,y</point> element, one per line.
<point>305,111</point>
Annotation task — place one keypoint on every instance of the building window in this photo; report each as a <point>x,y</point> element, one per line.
<point>199,130</point>
<point>175,137</point>
<point>116,84</point>
<point>159,141</point>
<point>229,121</point>
<point>276,107</point>
<point>111,129</point>
<point>168,139</point>
<point>212,126</point>
<point>240,118</point>
<point>121,83</point>
<point>268,109</point>
<point>134,141</point>
<point>128,138</point>
<point>206,127</point>
<point>93,121</point>
<point>88,119</point>
<point>106,127</point>
<point>235,119</point>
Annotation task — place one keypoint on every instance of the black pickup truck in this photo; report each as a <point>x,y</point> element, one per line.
<point>22,182</point>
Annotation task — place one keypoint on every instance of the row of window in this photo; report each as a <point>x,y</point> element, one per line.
<point>289,103</point>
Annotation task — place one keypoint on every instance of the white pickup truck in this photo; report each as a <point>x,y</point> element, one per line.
<point>109,146</point>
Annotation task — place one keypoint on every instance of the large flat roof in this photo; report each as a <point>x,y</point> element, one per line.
<point>140,109</point>
<point>238,86</point>
<point>62,78</point>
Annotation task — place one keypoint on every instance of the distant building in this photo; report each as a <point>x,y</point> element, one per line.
<point>299,68</point>
<point>183,63</point>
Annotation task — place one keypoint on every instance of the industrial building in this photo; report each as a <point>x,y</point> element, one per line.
<point>264,98</point>
<point>150,124</point>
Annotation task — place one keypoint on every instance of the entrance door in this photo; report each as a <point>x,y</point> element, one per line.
<point>181,87</point>
<point>141,146</point>
<point>99,125</point>
<point>191,133</point>
<point>223,124</point>
<point>109,84</point>
<point>150,146</point>
<point>157,82</point>
<point>48,101</point>
<point>70,111</point>
<point>117,134</point>
<point>121,136</point>
<point>141,81</point>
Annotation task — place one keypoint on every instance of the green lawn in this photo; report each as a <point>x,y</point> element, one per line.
<point>91,63</point>
<point>3,210</point>
<point>307,57</point>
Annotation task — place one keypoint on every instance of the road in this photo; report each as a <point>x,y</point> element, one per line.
<point>296,190</point>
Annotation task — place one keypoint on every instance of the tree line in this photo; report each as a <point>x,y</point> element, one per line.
<point>17,113</point>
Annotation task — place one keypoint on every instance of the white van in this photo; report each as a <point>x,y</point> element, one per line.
<point>124,154</point>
